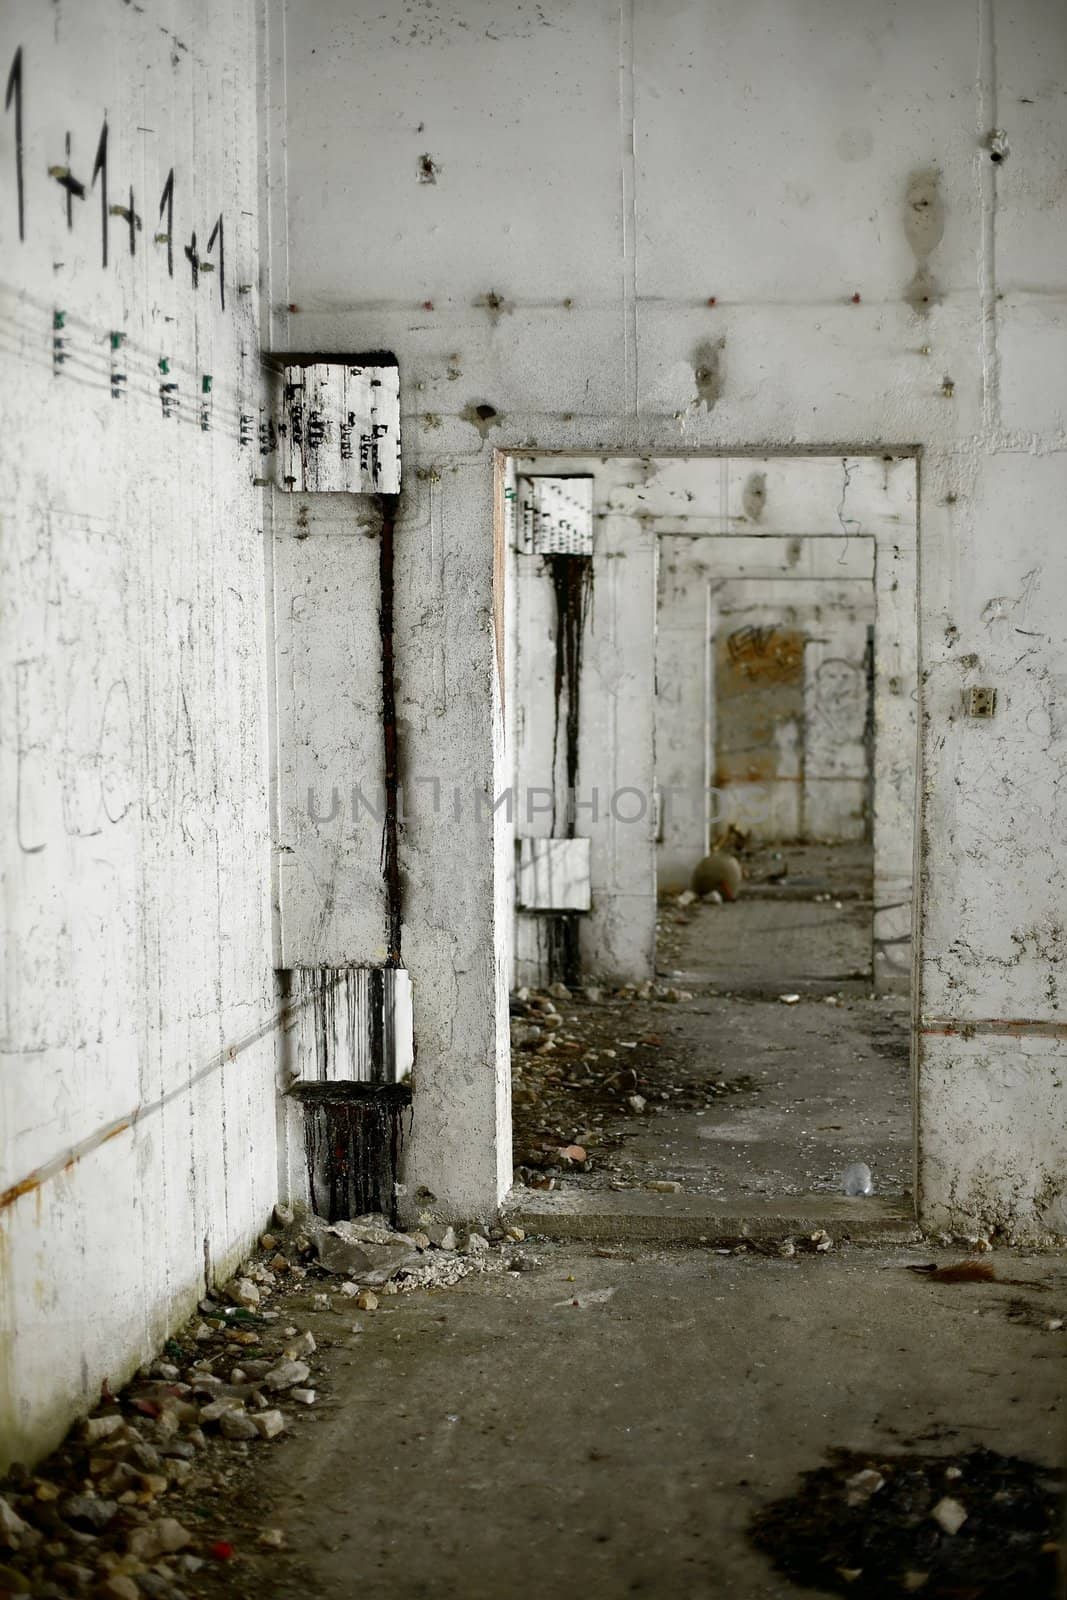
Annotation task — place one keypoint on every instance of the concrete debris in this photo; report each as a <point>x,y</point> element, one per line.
<point>789,999</point>
<point>96,1428</point>
<point>366,1249</point>
<point>949,1515</point>
<point>243,1292</point>
<point>12,1528</point>
<point>822,1241</point>
<point>269,1424</point>
<point>441,1234</point>
<point>201,1404</point>
<point>237,1425</point>
<point>154,1539</point>
<point>287,1374</point>
<point>862,1485</point>
<point>663,1186</point>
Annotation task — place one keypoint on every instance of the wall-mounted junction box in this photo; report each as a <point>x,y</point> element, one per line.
<point>556,516</point>
<point>338,428</point>
<point>980,702</point>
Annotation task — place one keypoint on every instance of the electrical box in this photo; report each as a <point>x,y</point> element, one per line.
<point>555,516</point>
<point>338,428</point>
<point>980,702</point>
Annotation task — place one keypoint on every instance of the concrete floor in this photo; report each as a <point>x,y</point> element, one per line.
<point>829,1075</point>
<point>606,1425</point>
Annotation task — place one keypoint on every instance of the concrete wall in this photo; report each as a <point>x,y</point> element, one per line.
<point>137,1093</point>
<point>656,228</point>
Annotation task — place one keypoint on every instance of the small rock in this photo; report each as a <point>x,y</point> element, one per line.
<point>822,1240</point>
<point>367,1300</point>
<point>663,1186</point>
<point>949,1515</point>
<point>87,1512</point>
<point>12,1527</point>
<point>477,1245</point>
<point>637,1103</point>
<point>515,1234</point>
<point>267,1241</point>
<point>217,1409</point>
<point>304,1345</point>
<point>787,1248</point>
<point>156,1539</point>
<point>273,1538</point>
<point>96,1428</point>
<point>118,1587</point>
<point>862,1485</point>
<point>789,999</point>
<point>237,1425</point>
<point>350,1289</point>
<point>243,1292</point>
<point>268,1424</point>
<point>284,1216</point>
<point>321,1302</point>
<point>304,1397</point>
<point>289,1373</point>
<point>441,1234</point>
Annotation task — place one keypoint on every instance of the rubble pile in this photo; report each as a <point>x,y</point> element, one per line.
<point>131,1505</point>
<point>979,1524</point>
<point>584,1065</point>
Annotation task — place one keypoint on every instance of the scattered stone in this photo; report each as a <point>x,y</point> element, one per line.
<point>663,1186</point>
<point>273,1538</point>
<point>87,1512</point>
<point>477,1245</point>
<point>949,1515</point>
<point>303,1345</point>
<point>367,1300</point>
<point>237,1425</point>
<point>442,1235</point>
<point>637,1103</point>
<point>268,1424</point>
<point>12,1527</point>
<point>517,1235</point>
<point>287,1374</point>
<point>822,1241</point>
<point>96,1428</point>
<point>155,1539</point>
<point>304,1397</point>
<point>243,1292</point>
<point>862,1485</point>
<point>217,1409</point>
<point>284,1216</point>
<point>789,999</point>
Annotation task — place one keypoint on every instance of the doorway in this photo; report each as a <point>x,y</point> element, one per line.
<point>712,726</point>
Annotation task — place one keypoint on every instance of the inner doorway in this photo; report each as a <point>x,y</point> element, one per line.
<point>712,657</point>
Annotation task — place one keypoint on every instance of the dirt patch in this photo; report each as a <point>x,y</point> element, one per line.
<point>978,1527</point>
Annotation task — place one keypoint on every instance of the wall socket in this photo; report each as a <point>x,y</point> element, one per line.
<point>980,702</point>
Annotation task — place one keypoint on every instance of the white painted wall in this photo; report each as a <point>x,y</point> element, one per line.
<point>137,1073</point>
<point>603,175</point>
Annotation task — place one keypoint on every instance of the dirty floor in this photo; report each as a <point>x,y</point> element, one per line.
<point>607,1425</point>
<point>710,1080</point>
